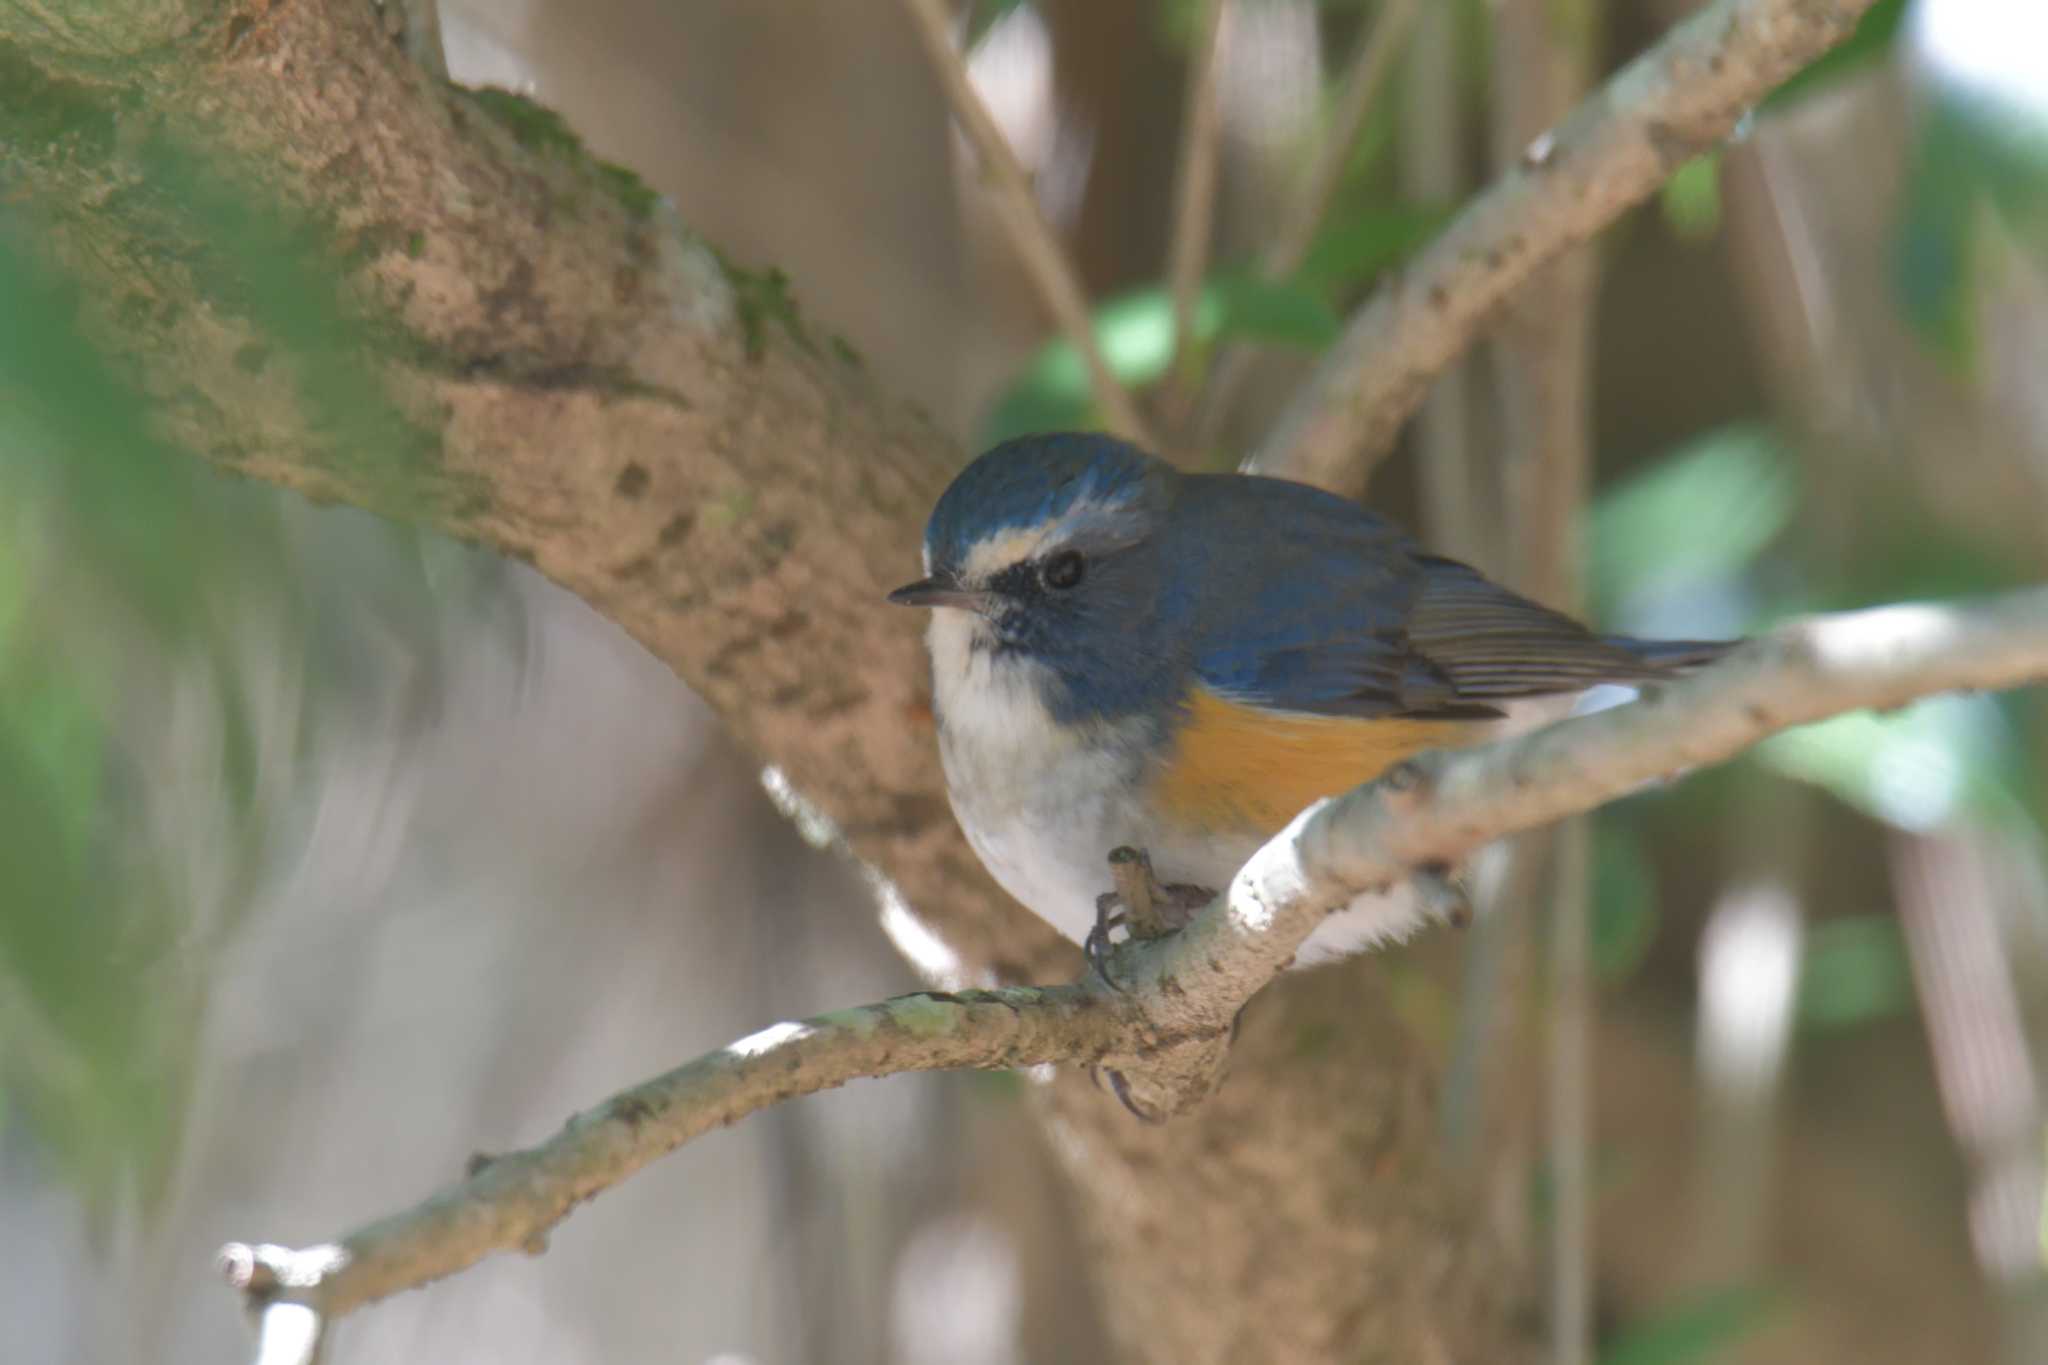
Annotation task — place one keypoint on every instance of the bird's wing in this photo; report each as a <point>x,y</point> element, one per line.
<point>1345,615</point>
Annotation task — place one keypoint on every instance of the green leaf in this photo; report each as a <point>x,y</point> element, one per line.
<point>1283,311</point>
<point>1135,333</point>
<point>1625,911</point>
<point>1704,512</point>
<point>1943,759</point>
<point>1691,198</point>
<point>1854,972</point>
<point>1695,1330</point>
<point>1361,246</point>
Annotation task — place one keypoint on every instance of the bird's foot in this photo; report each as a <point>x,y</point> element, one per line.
<point>1099,945</point>
<point>1142,906</point>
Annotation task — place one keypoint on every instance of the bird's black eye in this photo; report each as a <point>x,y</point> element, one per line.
<point>1063,570</point>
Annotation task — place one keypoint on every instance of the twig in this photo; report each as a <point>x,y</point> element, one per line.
<point>1460,513</point>
<point>1310,201</point>
<point>511,1201</point>
<point>1568,1085</point>
<point>1680,98</point>
<point>289,1334</point>
<point>1045,261</point>
<point>1166,1029</point>
<point>1542,65</point>
<point>1976,1030</point>
<point>1307,206</point>
<point>1194,190</point>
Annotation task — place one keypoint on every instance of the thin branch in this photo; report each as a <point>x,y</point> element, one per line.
<point>289,1334</point>
<point>510,1202</point>
<point>1568,1094</point>
<point>1460,513</point>
<point>1542,63</point>
<point>1165,1026</point>
<point>1017,208</point>
<point>1682,97</point>
<point>1310,203</point>
<point>1194,191</point>
<point>1305,208</point>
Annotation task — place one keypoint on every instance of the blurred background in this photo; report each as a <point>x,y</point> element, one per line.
<point>334,852</point>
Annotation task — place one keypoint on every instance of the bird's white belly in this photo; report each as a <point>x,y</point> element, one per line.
<point>1043,804</point>
<point>1041,807</point>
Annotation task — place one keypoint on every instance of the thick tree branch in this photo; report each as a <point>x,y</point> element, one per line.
<point>593,390</point>
<point>1675,101</point>
<point>1165,1024</point>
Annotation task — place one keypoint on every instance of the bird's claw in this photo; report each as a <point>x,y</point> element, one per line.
<point>1099,947</point>
<point>1121,1088</point>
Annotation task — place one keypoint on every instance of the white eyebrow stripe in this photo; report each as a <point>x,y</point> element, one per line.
<point>1002,550</point>
<point>1014,545</point>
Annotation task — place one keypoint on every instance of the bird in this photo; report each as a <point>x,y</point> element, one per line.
<point>1125,655</point>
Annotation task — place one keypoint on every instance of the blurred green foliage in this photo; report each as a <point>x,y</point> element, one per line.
<point>119,559</point>
<point>1691,198</point>
<point>1979,164</point>
<point>1624,894</point>
<point>1698,1329</point>
<point>1943,760</point>
<point>1697,518</point>
<point>1135,330</point>
<point>1135,333</point>
<point>1854,972</point>
<point>87,1053</point>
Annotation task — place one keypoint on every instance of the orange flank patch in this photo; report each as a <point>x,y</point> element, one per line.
<point>1235,766</point>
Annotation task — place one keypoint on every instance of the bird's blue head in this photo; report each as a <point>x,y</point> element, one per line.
<point>1049,560</point>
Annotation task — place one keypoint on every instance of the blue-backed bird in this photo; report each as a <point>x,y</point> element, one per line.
<point>1126,655</point>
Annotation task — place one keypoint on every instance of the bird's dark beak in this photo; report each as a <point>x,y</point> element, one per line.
<point>935,592</point>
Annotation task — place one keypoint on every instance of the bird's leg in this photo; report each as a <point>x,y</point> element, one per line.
<point>1146,910</point>
<point>1130,870</point>
<point>1141,906</point>
<point>1152,909</point>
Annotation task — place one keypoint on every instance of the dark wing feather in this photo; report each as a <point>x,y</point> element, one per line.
<point>1347,616</point>
<point>1493,643</point>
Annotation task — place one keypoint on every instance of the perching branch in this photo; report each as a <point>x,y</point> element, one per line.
<point>1044,259</point>
<point>1166,1023</point>
<point>1679,99</point>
